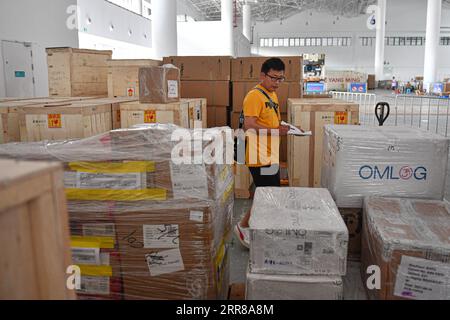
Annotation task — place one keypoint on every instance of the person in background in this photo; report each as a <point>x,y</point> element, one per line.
<point>394,85</point>
<point>261,112</point>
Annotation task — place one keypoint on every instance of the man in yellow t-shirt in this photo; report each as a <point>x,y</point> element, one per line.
<point>262,124</point>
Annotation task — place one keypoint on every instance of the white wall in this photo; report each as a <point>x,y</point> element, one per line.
<point>98,35</point>
<point>404,18</point>
<point>41,22</point>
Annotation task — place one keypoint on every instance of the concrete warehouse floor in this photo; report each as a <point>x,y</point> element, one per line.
<point>353,286</point>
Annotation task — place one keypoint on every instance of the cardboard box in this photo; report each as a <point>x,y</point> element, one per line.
<point>212,68</point>
<point>304,154</point>
<point>308,236</point>
<point>217,93</point>
<point>159,84</point>
<point>217,116</point>
<point>249,69</point>
<point>353,221</point>
<point>384,161</point>
<point>34,229</point>
<point>242,181</point>
<point>371,83</point>
<point>123,76</point>
<point>77,72</point>
<point>409,240</point>
<point>292,287</point>
<point>285,91</point>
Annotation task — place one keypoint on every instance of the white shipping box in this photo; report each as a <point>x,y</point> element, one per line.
<point>297,231</point>
<point>383,161</point>
<point>292,287</point>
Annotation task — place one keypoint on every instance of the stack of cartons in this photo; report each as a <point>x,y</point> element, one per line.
<point>381,161</point>
<point>77,72</point>
<point>142,226</point>
<point>302,254</point>
<point>123,76</point>
<point>207,77</point>
<point>159,101</point>
<point>409,240</point>
<point>34,231</point>
<point>245,75</point>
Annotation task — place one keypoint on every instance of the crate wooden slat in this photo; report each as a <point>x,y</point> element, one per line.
<point>78,72</point>
<point>123,76</point>
<point>33,231</point>
<point>177,113</point>
<point>305,153</point>
<point>65,120</point>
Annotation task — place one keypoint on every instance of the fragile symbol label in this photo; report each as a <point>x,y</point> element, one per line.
<point>340,117</point>
<point>54,121</point>
<point>150,116</point>
<point>130,92</point>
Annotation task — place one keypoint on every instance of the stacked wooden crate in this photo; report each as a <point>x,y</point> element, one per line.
<point>34,231</point>
<point>77,72</point>
<point>207,77</point>
<point>10,113</point>
<point>123,76</point>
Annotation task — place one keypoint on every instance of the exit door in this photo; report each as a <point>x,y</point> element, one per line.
<point>18,68</point>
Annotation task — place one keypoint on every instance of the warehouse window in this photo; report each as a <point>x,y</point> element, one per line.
<point>445,41</point>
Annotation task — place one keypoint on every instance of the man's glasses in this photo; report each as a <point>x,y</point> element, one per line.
<point>276,79</point>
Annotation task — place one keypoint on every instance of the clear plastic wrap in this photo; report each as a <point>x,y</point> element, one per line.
<point>297,231</point>
<point>409,240</point>
<point>159,84</point>
<point>292,287</point>
<point>142,226</point>
<point>383,161</point>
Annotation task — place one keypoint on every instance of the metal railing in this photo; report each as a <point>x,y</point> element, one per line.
<point>366,101</point>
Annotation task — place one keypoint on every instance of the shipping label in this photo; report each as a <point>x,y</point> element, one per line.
<point>196,216</point>
<point>150,116</point>
<point>98,229</point>
<point>189,181</point>
<point>421,279</point>
<point>161,236</point>
<point>172,89</point>
<point>86,256</point>
<point>163,262</point>
<point>95,285</point>
<point>54,121</point>
<point>114,181</point>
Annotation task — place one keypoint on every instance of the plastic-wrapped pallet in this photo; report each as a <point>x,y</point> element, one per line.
<point>297,231</point>
<point>409,240</point>
<point>383,161</point>
<point>292,287</point>
<point>143,226</point>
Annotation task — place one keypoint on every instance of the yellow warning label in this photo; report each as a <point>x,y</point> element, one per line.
<point>150,116</point>
<point>54,121</point>
<point>340,117</point>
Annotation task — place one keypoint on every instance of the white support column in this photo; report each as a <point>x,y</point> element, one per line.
<point>247,21</point>
<point>379,42</point>
<point>432,41</point>
<point>164,28</point>
<point>227,22</point>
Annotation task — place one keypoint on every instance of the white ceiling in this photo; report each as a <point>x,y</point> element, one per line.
<point>267,10</point>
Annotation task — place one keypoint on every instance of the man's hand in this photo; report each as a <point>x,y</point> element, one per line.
<point>283,130</point>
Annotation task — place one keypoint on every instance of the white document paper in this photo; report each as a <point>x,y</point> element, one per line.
<point>294,131</point>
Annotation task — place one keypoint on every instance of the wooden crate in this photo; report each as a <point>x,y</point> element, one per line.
<point>115,107</point>
<point>177,113</point>
<point>305,153</point>
<point>123,76</point>
<point>34,231</point>
<point>77,72</point>
<point>10,110</point>
<point>65,120</point>
<point>242,181</point>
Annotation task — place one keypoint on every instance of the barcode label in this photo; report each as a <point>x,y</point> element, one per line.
<point>86,255</point>
<point>114,181</point>
<point>94,285</point>
<point>98,230</point>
